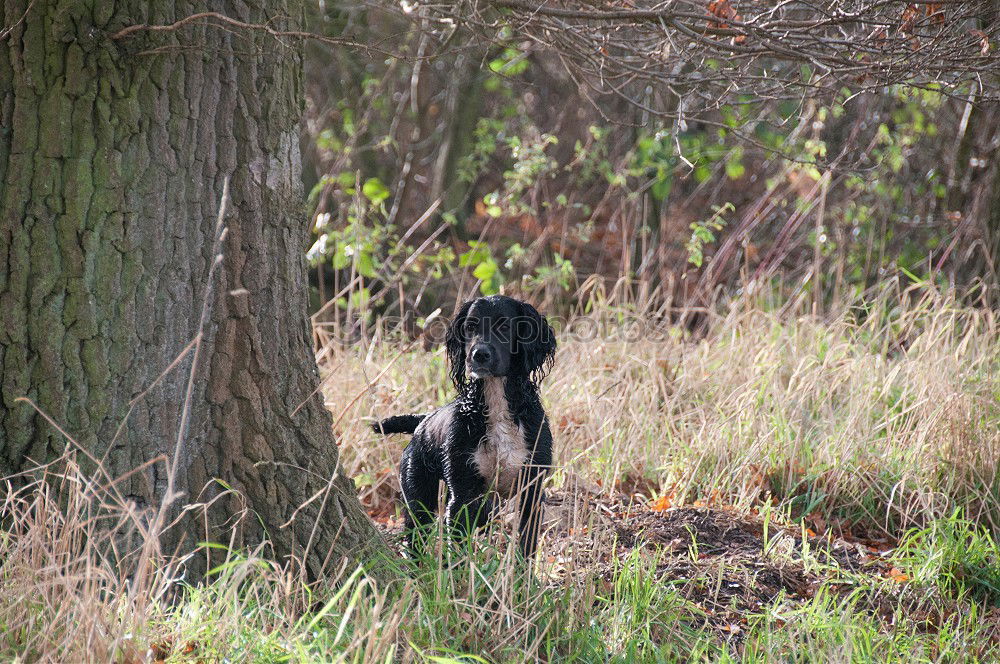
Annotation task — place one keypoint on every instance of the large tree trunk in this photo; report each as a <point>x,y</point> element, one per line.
<point>113,154</point>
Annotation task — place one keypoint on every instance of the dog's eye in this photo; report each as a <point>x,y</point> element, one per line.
<point>470,327</point>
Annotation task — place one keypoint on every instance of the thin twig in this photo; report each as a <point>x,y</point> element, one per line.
<point>7,32</point>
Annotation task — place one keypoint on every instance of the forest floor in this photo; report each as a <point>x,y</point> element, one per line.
<point>786,488</point>
<point>731,566</point>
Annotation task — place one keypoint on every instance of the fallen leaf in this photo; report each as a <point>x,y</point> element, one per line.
<point>898,576</point>
<point>817,522</point>
<point>567,422</point>
<point>158,652</point>
<point>660,504</point>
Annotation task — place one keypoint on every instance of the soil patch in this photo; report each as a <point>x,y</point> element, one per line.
<point>728,565</point>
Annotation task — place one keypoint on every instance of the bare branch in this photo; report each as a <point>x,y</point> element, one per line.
<point>720,52</point>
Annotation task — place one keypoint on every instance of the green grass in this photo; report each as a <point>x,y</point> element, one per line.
<point>481,610</point>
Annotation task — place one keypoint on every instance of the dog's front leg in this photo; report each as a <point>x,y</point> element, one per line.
<point>419,481</point>
<point>468,507</point>
<point>532,476</point>
<point>530,499</point>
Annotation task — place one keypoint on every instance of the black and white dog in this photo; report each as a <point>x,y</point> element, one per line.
<point>493,441</point>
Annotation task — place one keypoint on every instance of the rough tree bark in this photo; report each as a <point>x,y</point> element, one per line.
<point>113,154</point>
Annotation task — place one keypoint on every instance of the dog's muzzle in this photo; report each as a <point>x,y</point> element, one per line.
<point>481,362</point>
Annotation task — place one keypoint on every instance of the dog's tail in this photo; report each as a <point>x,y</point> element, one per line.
<point>398,424</point>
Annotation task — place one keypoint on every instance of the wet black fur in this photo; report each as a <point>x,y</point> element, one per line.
<point>445,441</point>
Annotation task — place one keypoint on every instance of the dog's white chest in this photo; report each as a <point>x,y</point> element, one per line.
<point>501,454</point>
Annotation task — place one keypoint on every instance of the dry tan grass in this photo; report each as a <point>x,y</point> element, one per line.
<point>63,590</point>
<point>78,583</point>
<point>892,419</point>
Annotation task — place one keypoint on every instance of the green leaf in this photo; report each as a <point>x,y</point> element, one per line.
<point>485,270</point>
<point>359,298</point>
<point>477,253</point>
<point>340,257</point>
<point>374,190</point>
<point>366,265</point>
<point>661,188</point>
<point>735,170</point>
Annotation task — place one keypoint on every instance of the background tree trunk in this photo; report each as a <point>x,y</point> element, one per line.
<point>992,236</point>
<point>113,154</point>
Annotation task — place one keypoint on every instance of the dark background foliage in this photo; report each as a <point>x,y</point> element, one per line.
<point>444,161</point>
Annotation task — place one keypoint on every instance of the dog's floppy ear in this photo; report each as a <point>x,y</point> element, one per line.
<point>536,343</point>
<point>455,345</point>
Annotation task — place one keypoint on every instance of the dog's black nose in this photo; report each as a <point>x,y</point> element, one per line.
<point>481,354</point>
